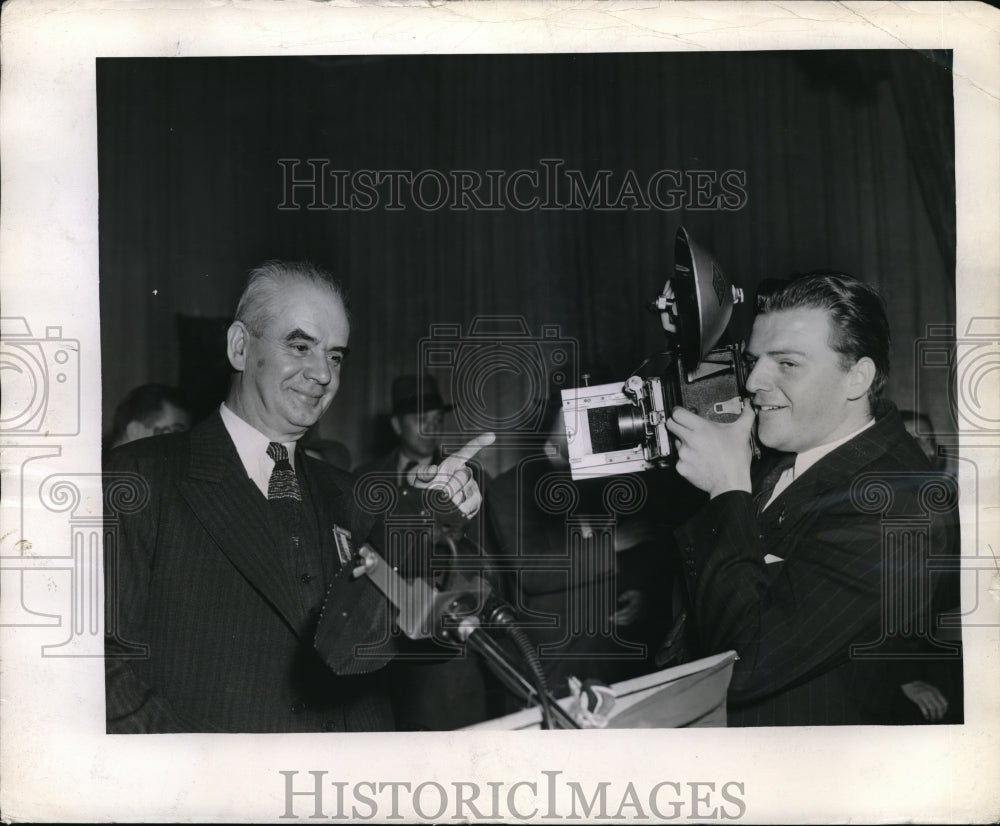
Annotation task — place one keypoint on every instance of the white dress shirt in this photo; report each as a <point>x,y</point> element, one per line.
<point>251,444</point>
<point>808,458</point>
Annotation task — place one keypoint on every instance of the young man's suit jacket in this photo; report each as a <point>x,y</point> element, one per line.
<point>839,583</point>
<point>196,587</point>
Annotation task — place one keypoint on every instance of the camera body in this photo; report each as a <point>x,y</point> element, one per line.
<point>41,381</point>
<point>616,428</point>
<point>621,427</point>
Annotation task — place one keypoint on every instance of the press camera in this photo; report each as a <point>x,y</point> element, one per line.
<point>620,427</point>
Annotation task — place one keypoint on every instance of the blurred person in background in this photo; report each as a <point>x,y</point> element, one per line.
<point>148,410</point>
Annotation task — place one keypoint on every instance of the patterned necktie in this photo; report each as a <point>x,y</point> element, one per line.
<point>786,462</point>
<point>283,489</point>
<point>282,484</point>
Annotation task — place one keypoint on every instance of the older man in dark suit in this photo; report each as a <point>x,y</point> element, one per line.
<point>231,601</point>
<point>794,565</point>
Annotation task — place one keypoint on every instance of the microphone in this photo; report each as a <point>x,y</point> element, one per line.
<point>423,610</point>
<point>457,614</point>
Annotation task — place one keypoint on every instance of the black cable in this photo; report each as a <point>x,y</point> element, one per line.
<point>531,658</point>
<point>502,616</point>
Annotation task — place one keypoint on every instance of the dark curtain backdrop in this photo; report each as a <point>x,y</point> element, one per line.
<point>848,158</point>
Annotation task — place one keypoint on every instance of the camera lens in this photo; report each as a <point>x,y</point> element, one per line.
<point>631,425</point>
<point>615,428</point>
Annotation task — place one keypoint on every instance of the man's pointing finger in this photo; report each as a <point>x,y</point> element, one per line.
<point>458,459</point>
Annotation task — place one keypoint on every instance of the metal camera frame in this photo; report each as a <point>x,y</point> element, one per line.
<point>695,307</point>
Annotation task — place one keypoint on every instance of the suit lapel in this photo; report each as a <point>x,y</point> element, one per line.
<point>831,476</point>
<point>331,509</point>
<point>234,513</point>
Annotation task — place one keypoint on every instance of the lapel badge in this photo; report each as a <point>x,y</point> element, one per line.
<point>342,537</point>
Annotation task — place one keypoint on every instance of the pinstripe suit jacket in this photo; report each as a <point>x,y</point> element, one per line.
<point>206,629</point>
<point>793,622</point>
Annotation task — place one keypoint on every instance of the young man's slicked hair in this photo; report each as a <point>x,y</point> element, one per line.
<point>857,317</point>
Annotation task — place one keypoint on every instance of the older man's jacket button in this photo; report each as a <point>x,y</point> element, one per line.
<point>331,725</point>
<point>298,707</point>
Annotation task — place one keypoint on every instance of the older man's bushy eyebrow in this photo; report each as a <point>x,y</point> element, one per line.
<point>298,334</point>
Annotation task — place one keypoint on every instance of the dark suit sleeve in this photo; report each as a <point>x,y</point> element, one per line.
<point>792,620</point>
<point>132,706</point>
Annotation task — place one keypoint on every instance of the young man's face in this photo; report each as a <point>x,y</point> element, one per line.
<point>804,398</point>
<point>291,372</point>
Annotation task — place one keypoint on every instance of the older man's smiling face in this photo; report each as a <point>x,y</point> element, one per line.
<point>291,371</point>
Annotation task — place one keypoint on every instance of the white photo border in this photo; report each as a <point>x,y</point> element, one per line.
<point>58,765</point>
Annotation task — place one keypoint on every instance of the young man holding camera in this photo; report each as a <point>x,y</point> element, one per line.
<point>787,562</point>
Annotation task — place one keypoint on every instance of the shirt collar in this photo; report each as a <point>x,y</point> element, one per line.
<point>251,445</point>
<point>807,458</point>
<point>403,461</point>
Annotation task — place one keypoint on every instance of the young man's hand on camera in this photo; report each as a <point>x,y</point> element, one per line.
<point>713,456</point>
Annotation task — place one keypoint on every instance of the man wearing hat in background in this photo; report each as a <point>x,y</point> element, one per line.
<point>435,690</point>
<point>417,419</point>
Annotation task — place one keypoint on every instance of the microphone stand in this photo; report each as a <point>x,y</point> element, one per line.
<point>467,628</point>
<point>453,613</point>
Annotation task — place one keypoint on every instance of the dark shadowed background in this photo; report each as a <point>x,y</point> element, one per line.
<point>848,159</point>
